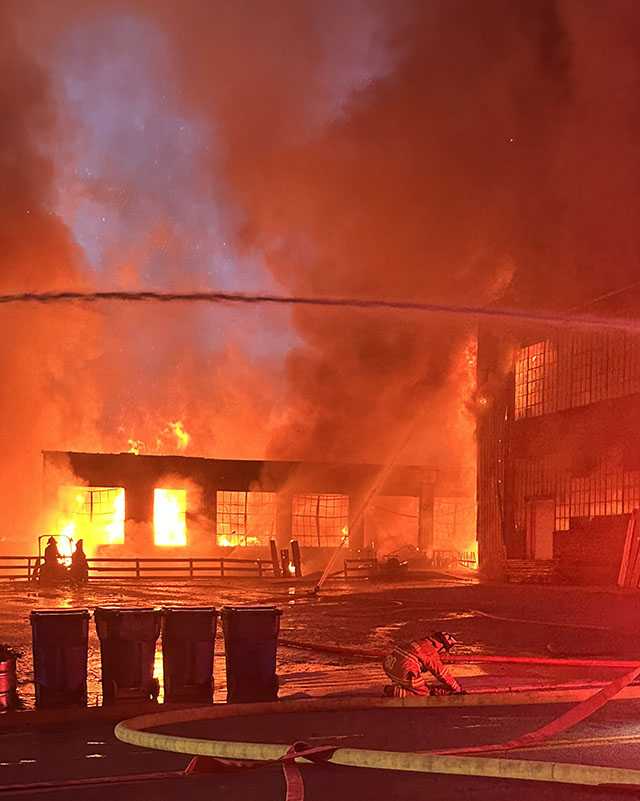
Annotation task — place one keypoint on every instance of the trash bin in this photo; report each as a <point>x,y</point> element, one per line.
<point>60,638</point>
<point>188,640</point>
<point>251,642</point>
<point>128,639</point>
<point>8,679</point>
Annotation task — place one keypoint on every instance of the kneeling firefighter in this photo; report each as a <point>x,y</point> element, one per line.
<point>407,662</point>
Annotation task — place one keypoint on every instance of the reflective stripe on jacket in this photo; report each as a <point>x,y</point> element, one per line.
<point>419,656</point>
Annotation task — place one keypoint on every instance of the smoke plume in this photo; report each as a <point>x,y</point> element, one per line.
<point>445,152</point>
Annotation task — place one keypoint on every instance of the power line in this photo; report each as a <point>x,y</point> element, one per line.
<point>472,312</point>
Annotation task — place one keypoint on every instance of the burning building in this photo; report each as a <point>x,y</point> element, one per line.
<point>137,504</point>
<point>558,447</point>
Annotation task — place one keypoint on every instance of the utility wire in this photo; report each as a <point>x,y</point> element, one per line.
<point>477,312</point>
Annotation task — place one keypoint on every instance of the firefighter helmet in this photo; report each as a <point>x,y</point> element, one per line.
<point>444,637</point>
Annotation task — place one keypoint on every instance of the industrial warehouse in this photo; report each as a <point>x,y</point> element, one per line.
<point>558,455</point>
<point>320,347</point>
<point>146,502</point>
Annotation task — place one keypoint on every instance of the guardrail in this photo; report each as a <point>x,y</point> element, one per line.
<point>100,568</point>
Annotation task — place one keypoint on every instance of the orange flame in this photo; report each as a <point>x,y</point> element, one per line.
<point>183,437</point>
<point>135,446</point>
<point>93,514</point>
<point>169,517</point>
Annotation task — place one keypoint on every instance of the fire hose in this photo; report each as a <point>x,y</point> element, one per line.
<point>451,761</point>
<point>215,755</point>
<point>375,654</point>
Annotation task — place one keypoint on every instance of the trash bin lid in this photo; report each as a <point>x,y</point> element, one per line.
<point>232,610</point>
<point>61,612</point>
<point>177,609</point>
<point>126,610</point>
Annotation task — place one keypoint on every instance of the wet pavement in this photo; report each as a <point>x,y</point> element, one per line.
<point>522,620</point>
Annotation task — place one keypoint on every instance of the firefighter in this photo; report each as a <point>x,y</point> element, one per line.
<point>407,662</point>
<point>51,570</point>
<point>79,567</point>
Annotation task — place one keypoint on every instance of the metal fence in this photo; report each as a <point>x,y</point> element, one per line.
<point>18,568</point>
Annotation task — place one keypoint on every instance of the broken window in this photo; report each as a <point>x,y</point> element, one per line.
<point>245,518</point>
<point>92,514</point>
<point>536,379</point>
<point>575,369</point>
<point>320,520</point>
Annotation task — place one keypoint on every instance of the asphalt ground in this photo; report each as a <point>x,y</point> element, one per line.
<point>611,737</point>
<point>528,620</point>
<point>521,620</point>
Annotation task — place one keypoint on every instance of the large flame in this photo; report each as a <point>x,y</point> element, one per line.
<point>183,438</point>
<point>169,517</point>
<point>173,429</point>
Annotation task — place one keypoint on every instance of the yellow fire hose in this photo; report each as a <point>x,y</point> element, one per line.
<point>134,732</point>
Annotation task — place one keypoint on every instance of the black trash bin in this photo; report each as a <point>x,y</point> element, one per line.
<point>128,639</point>
<point>251,642</point>
<point>188,640</point>
<point>60,638</point>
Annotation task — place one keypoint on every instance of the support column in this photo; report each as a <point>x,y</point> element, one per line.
<point>425,517</point>
<point>356,526</point>
<point>283,519</point>
<point>138,524</point>
<point>201,524</point>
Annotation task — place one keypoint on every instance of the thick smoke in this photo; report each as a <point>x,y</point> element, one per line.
<point>446,151</point>
<point>43,353</point>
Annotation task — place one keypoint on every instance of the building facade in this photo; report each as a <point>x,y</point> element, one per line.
<point>138,503</point>
<point>558,449</point>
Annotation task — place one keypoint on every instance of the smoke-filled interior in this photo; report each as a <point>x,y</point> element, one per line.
<point>444,151</point>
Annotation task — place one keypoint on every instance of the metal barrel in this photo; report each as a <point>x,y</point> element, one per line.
<point>128,637</point>
<point>60,644</point>
<point>251,643</point>
<point>188,642</point>
<point>8,683</point>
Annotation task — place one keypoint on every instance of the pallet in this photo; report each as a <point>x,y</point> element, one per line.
<point>531,571</point>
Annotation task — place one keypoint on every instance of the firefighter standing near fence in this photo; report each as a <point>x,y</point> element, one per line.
<point>407,662</point>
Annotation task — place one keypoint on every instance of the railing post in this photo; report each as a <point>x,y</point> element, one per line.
<point>346,569</point>
<point>221,567</point>
<point>190,568</point>
<point>137,568</point>
<point>296,558</point>
<point>274,558</point>
<point>28,568</point>
<point>259,568</point>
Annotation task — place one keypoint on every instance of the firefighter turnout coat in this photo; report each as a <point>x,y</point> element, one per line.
<point>408,661</point>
